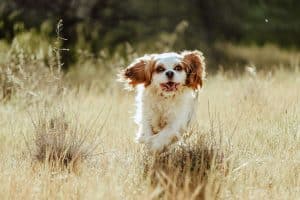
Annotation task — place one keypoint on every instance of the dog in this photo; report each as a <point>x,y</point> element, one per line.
<point>167,87</point>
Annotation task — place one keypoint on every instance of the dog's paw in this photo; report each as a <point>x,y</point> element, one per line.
<point>156,147</point>
<point>157,143</point>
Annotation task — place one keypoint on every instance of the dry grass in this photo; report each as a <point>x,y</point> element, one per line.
<point>245,144</point>
<point>60,144</point>
<point>182,172</point>
<point>268,56</point>
<point>28,77</point>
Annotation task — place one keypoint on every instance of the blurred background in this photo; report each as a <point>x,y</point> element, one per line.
<point>232,33</point>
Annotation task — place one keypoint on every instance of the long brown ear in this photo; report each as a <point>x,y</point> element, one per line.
<point>195,68</point>
<point>138,72</point>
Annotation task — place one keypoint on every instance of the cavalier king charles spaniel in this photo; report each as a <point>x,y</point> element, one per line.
<point>167,86</point>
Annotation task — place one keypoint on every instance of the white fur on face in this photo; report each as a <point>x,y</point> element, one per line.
<point>168,62</point>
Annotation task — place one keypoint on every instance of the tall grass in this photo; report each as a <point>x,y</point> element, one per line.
<point>245,144</point>
<point>268,56</point>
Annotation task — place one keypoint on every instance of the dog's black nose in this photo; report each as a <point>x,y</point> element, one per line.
<point>170,74</point>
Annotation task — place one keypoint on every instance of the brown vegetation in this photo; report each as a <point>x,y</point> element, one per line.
<point>245,144</point>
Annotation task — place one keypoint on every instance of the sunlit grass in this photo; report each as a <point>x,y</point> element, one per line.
<point>244,145</point>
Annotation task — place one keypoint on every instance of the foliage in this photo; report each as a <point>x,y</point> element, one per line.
<point>245,144</point>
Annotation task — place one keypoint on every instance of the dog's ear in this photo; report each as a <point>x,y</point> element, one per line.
<point>195,68</point>
<point>138,72</point>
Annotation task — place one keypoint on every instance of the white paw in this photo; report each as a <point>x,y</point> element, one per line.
<point>156,147</point>
<point>157,143</point>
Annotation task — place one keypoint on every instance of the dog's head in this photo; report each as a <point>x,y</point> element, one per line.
<point>167,71</point>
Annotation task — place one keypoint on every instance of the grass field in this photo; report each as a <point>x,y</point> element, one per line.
<point>245,144</point>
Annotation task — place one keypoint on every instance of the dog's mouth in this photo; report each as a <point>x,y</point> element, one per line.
<point>169,86</point>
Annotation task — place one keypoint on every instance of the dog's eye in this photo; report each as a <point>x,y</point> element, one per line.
<point>160,69</point>
<point>178,68</point>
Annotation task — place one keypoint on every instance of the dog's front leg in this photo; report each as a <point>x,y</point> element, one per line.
<point>171,132</point>
<point>144,132</point>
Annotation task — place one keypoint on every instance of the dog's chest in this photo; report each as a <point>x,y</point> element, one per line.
<point>162,113</point>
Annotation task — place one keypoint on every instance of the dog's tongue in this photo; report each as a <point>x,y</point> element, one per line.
<point>171,85</point>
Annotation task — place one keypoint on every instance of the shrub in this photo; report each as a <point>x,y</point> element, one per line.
<point>61,144</point>
<point>182,171</point>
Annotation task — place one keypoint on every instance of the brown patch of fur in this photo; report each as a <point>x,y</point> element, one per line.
<point>194,66</point>
<point>162,123</point>
<point>140,71</point>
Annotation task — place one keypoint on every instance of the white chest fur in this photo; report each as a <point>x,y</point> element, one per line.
<point>158,111</point>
